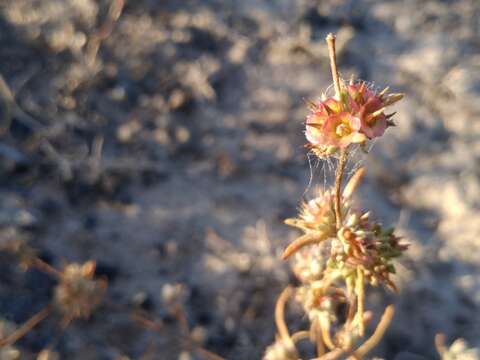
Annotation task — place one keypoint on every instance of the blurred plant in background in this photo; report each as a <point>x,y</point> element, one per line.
<point>77,295</point>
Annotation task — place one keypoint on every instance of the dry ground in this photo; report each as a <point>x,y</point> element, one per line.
<point>200,106</point>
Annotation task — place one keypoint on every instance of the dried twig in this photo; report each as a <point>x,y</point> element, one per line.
<point>179,313</point>
<point>9,109</point>
<point>26,327</point>
<point>93,45</point>
<point>207,354</point>
<point>153,325</point>
<point>47,268</point>
<point>6,106</point>
<point>333,63</point>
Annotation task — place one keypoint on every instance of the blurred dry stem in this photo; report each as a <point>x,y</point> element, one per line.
<point>26,327</point>
<point>95,40</point>
<point>185,336</point>
<point>77,294</point>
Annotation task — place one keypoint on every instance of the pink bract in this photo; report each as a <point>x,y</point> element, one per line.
<point>363,103</point>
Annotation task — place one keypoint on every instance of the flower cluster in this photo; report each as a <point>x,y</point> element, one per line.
<point>355,117</point>
<point>334,266</point>
<point>316,220</point>
<point>366,245</point>
<point>358,243</point>
<point>78,292</point>
<point>316,215</point>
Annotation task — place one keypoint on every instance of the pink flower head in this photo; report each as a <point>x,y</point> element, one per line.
<point>329,125</point>
<point>358,114</point>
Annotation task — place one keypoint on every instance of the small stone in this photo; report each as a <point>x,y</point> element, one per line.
<point>9,353</point>
<point>177,99</point>
<point>172,293</point>
<point>142,300</point>
<point>185,356</point>
<point>126,131</point>
<point>182,134</point>
<point>47,355</point>
<point>118,93</point>
<point>199,334</point>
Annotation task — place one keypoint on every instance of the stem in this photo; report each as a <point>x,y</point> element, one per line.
<point>300,335</point>
<point>343,154</point>
<point>333,64</point>
<point>316,337</point>
<point>360,290</point>
<point>208,354</point>
<point>440,344</point>
<point>280,316</point>
<point>352,303</point>
<point>157,326</point>
<point>26,327</point>
<point>338,184</point>
<point>327,339</point>
<point>47,268</point>
<point>377,334</point>
<point>320,346</point>
<point>332,355</point>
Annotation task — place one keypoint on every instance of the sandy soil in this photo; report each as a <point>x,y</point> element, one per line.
<point>200,107</point>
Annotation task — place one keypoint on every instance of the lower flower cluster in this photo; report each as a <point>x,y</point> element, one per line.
<point>334,267</point>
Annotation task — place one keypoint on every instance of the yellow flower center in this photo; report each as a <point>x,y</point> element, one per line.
<point>343,130</point>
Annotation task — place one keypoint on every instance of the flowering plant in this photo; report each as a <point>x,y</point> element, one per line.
<point>342,250</point>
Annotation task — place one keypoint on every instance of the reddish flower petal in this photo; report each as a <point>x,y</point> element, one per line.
<point>314,126</point>
<point>355,123</point>
<point>377,129</point>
